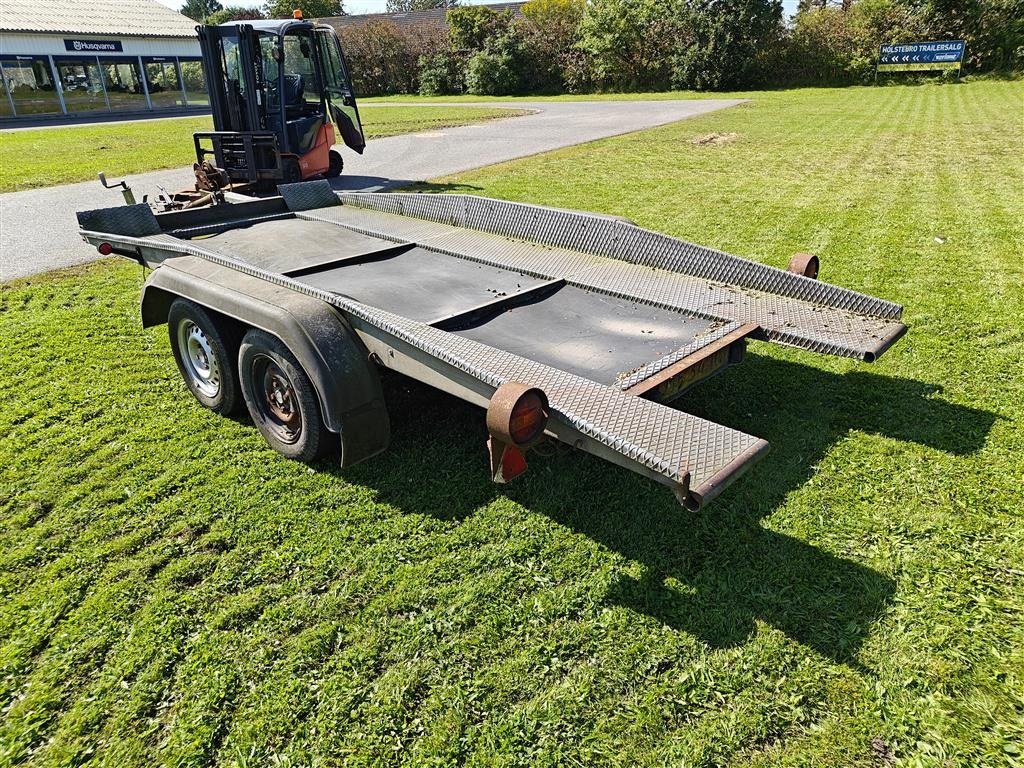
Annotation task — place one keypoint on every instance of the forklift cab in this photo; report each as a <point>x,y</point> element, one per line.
<point>278,89</point>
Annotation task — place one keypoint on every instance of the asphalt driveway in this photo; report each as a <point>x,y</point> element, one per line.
<point>38,231</point>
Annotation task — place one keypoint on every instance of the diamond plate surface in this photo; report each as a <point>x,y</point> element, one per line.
<point>604,236</point>
<point>819,324</point>
<point>656,366</point>
<point>306,195</point>
<point>133,220</point>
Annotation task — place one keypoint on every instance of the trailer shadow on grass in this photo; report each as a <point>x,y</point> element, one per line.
<point>713,573</point>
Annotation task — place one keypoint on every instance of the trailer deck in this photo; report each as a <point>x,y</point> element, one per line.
<point>467,293</point>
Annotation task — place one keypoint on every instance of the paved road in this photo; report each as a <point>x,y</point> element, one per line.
<point>38,230</point>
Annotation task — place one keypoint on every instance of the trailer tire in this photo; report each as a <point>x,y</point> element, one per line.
<point>205,350</point>
<point>281,398</point>
<point>337,164</point>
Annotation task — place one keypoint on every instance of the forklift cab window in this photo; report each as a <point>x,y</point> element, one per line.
<point>232,63</point>
<point>270,54</point>
<point>301,84</point>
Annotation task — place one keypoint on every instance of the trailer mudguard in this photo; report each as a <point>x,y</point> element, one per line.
<point>318,335</point>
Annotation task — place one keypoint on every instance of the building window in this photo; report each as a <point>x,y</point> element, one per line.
<point>28,80</point>
<point>5,99</point>
<point>194,79</point>
<point>163,83</point>
<point>82,85</point>
<point>123,84</point>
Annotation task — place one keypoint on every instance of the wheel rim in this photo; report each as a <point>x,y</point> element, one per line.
<point>201,367</point>
<point>277,399</point>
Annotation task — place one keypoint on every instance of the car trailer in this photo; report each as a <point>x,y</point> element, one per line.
<point>563,325</point>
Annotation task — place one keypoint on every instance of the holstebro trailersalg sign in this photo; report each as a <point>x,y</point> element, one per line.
<point>908,57</point>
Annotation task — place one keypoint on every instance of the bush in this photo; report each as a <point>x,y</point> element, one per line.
<point>492,74</point>
<point>629,42</point>
<point>549,33</point>
<point>627,45</point>
<point>836,47</point>
<point>726,40</point>
<point>471,26</point>
<point>993,29</point>
<point>441,74</point>
<point>385,59</point>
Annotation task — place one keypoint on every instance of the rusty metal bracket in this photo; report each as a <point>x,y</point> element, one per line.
<point>806,264</point>
<point>733,342</point>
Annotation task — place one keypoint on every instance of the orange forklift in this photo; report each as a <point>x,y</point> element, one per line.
<point>278,91</point>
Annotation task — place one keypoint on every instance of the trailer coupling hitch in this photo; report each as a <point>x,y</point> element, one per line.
<point>516,418</point>
<point>129,196</point>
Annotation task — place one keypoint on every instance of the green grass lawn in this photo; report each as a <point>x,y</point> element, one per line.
<point>47,156</point>
<point>173,593</point>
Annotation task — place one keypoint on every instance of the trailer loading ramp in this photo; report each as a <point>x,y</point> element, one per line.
<point>468,293</point>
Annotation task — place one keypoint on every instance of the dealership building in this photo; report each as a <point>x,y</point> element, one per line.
<point>61,58</point>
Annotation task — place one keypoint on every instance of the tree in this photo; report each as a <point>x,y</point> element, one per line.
<point>630,41</point>
<point>549,29</point>
<point>200,10</point>
<point>471,26</point>
<point>993,29</point>
<point>311,9</point>
<point>235,13</point>
<point>726,39</point>
<point>404,6</point>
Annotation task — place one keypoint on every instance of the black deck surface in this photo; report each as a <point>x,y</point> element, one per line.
<point>421,284</point>
<point>588,333</point>
<point>289,244</point>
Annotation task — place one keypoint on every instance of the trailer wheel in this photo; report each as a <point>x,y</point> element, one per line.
<point>281,398</point>
<point>204,351</point>
<point>337,163</point>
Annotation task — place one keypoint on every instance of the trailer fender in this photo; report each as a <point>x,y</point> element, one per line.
<point>319,336</point>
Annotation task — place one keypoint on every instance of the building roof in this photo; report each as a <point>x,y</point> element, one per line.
<point>431,16</point>
<point>125,18</point>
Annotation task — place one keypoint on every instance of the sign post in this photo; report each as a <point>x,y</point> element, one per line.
<point>918,57</point>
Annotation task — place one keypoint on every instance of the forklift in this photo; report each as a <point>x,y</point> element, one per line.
<point>278,90</point>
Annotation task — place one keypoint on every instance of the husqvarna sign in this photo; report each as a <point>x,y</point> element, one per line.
<point>908,57</point>
<point>93,46</point>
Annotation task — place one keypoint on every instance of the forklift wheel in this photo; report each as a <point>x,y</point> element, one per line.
<point>337,163</point>
<point>291,173</point>
<point>281,398</point>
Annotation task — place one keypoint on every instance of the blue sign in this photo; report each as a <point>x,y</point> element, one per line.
<point>907,57</point>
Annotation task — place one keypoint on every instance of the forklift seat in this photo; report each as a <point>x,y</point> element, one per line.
<point>294,86</point>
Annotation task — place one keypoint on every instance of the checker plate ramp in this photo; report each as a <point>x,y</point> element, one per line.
<point>693,456</point>
<point>621,259</point>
